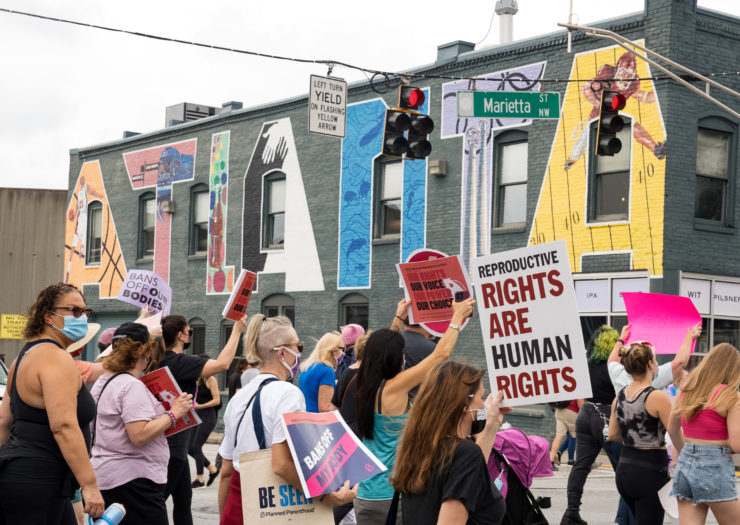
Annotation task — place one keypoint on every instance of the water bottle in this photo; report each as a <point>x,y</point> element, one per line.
<point>605,431</point>
<point>112,515</point>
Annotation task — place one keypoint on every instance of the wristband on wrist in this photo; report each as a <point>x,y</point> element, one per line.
<point>401,318</point>
<point>173,419</point>
<point>621,341</point>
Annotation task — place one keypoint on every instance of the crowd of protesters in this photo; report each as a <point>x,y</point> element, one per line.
<point>413,407</point>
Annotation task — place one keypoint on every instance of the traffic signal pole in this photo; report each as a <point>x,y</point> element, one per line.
<point>624,42</point>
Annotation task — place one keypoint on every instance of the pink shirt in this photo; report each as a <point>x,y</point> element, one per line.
<point>114,458</point>
<point>707,424</point>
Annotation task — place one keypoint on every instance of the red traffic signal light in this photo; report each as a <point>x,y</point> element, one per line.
<point>394,142</point>
<point>610,123</point>
<point>410,97</point>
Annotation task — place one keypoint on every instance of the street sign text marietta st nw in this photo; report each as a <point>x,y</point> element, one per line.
<point>508,104</point>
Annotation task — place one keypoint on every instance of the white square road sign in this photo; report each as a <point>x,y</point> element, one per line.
<point>327,106</point>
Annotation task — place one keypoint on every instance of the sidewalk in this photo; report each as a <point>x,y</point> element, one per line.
<point>599,506</point>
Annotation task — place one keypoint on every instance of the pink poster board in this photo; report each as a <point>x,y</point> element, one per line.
<point>660,319</point>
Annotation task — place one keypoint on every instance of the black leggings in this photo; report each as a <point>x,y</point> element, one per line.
<point>178,486</point>
<point>143,500</point>
<point>198,438</point>
<point>638,483</point>
<point>31,495</point>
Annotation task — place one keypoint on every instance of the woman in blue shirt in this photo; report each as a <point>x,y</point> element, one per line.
<point>318,372</point>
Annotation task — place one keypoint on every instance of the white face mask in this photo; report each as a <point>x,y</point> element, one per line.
<point>292,370</point>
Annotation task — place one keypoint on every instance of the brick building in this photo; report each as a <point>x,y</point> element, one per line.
<point>324,220</point>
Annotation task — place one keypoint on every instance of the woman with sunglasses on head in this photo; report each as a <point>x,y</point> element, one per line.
<point>253,418</point>
<point>187,369</point>
<point>45,416</point>
<point>443,476</point>
<point>708,410</point>
<point>130,452</point>
<point>317,377</point>
<point>383,388</point>
<point>639,418</point>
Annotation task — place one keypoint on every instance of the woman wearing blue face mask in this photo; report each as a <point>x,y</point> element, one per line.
<point>274,343</point>
<point>318,372</point>
<point>45,416</point>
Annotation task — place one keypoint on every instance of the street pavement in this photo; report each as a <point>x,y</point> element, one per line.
<point>599,506</point>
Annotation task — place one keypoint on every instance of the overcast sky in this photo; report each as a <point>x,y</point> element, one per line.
<point>66,86</point>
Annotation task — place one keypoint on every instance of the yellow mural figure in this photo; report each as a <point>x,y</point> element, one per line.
<point>603,205</point>
<point>108,269</point>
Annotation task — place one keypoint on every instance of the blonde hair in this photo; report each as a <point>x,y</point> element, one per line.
<point>360,345</point>
<point>265,333</point>
<point>323,352</point>
<point>721,366</point>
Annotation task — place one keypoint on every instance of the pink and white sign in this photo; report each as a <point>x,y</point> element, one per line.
<point>660,319</point>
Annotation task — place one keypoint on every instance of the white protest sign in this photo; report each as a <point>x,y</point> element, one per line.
<point>529,320</point>
<point>327,106</point>
<point>146,289</point>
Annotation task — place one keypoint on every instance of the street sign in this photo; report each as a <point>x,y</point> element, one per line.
<point>508,104</point>
<point>327,106</point>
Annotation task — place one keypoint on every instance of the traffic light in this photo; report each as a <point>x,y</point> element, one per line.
<point>610,123</point>
<point>402,118</point>
<point>394,142</point>
<point>419,145</point>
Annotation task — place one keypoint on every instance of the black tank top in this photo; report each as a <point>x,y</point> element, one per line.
<point>30,433</point>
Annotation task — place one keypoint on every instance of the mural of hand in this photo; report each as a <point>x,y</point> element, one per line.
<point>276,148</point>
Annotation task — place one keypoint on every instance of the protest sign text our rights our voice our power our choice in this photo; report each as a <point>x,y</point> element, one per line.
<point>529,321</point>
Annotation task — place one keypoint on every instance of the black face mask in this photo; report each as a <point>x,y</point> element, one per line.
<point>479,422</point>
<point>185,346</point>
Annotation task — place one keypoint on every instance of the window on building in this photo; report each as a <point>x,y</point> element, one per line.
<point>714,160</point>
<point>197,336</point>
<point>279,304</point>
<point>94,241</point>
<point>147,212</point>
<point>510,206</point>
<point>199,215</point>
<point>389,195</point>
<point>354,308</point>
<point>273,217</point>
<point>609,184</point>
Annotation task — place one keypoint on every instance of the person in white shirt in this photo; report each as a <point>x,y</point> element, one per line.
<point>274,343</point>
<point>667,372</point>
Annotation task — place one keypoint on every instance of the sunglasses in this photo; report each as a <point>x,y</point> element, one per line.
<point>76,310</point>
<point>641,343</point>
<point>298,345</point>
<point>188,332</point>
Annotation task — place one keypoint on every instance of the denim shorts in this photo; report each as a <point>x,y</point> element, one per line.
<point>704,474</point>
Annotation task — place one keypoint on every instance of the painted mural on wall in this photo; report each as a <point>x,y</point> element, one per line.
<point>110,272</point>
<point>160,167</point>
<point>220,277</point>
<point>298,257</point>
<point>568,208</point>
<point>477,155</point>
<point>360,148</point>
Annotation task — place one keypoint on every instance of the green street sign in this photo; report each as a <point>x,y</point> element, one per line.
<point>508,104</point>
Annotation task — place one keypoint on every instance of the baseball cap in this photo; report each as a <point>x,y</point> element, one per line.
<point>106,336</point>
<point>134,331</point>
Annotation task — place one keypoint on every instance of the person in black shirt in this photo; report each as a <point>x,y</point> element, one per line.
<point>417,347</point>
<point>592,418</point>
<point>443,476</point>
<point>187,369</point>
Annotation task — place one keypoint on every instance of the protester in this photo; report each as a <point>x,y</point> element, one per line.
<point>274,342</point>
<point>383,387</point>
<point>350,334</point>
<point>130,452</point>
<point>565,424</point>
<point>318,372</point>
<point>44,418</point>
<point>591,423</point>
<point>235,379</point>
<point>667,372</point>
<point>568,443</point>
<point>345,393</point>
<point>442,476</point>
<point>187,369</point>
<point>418,345</point>
<point>251,371</point>
<point>207,404</point>
<point>639,417</point>
<point>708,409</point>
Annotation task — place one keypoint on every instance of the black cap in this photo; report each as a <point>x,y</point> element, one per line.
<point>134,331</point>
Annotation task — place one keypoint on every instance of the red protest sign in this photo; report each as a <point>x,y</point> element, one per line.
<point>432,286</point>
<point>236,306</point>
<point>163,386</point>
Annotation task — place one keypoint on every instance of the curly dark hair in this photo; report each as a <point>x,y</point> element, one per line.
<point>45,301</point>
<point>126,352</point>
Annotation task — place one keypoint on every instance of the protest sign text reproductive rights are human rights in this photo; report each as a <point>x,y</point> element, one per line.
<point>529,320</point>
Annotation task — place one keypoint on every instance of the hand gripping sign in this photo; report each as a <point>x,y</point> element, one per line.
<point>531,332</point>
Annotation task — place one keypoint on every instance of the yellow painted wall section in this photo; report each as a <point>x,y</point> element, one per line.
<point>562,206</point>
<point>111,271</point>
